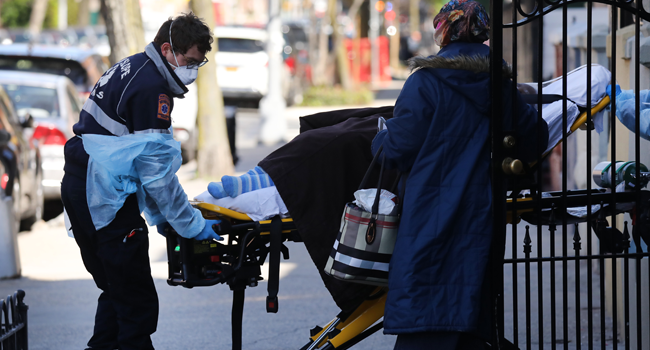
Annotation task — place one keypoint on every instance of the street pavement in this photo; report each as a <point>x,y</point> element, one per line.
<point>62,296</point>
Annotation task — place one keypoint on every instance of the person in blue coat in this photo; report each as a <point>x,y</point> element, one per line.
<point>122,161</point>
<point>439,137</point>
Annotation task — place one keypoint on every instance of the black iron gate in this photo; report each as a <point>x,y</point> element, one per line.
<point>575,251</point>
<point>13,322</point>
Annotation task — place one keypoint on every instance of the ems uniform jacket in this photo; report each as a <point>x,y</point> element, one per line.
<point>134,97</point>
<point>440,134</point>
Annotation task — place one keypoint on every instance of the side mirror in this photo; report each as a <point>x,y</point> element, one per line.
<point>28,121</point>
<point>5,136</point>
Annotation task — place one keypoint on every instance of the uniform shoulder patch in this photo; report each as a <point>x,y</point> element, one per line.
<point>164,107</point>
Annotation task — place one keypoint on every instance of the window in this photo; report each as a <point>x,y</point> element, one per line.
<point>240,45</point>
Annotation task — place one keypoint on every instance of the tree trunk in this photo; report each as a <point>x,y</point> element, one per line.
<point>339,52</point>
<point>36,18</point>
<point>394,41</point>
<point>114,14</point>
<point>214,157</point>
<point>84,13</point>
<point>319,75</point>
<point>135,27</point>
<point>313,41</point>
<point>414,14</point>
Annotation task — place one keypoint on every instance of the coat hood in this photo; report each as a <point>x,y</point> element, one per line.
<point>465,68</point>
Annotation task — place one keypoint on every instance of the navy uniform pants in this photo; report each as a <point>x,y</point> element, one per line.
<point>117,257</point>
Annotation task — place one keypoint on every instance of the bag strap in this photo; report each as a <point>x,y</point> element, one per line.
<point>362,185</point>
<point>375,205</point>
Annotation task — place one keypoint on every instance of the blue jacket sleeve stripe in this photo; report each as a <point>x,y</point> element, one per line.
<point>114,127</point>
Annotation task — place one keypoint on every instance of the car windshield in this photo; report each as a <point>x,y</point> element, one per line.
<point>68,68</point>
<point>39,102</point>
<point>240,45</point>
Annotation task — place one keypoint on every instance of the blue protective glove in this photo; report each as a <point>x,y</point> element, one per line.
<point>208,232</point>
<point>609,90</point>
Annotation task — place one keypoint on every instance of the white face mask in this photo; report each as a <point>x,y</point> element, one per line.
<point>186,75</point>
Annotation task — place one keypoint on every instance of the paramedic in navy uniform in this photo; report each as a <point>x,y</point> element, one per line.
<point>121,162</point>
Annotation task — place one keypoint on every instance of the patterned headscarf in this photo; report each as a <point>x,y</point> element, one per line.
<point>461,20</point>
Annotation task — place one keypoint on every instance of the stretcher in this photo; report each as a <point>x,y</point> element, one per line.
<point>237,261</point>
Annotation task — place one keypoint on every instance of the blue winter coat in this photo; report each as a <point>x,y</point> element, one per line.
<point>440,134</point>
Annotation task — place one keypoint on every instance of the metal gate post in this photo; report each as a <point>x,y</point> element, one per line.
<point>498,190</point>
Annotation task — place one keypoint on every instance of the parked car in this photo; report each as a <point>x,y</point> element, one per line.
<point>21,159</point>
<point>52,102</point>
<point>83,66</point>
<point>9,255</point>
<point>242,65</point>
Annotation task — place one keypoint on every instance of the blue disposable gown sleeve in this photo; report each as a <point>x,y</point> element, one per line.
<point>165,198</point>
<point>625,103</point>
<point>145,164</point>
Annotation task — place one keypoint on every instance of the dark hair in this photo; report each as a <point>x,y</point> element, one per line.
<point>188,30</point>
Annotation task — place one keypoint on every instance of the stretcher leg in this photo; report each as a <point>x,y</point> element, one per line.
<point>358,325</point>
<point>237,317</point>
<point>347,330</point>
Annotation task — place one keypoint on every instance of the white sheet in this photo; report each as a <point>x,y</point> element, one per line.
<point>261,204</point>
<point>577,94</point>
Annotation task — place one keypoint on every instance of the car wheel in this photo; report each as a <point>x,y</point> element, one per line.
<point>39,203</point>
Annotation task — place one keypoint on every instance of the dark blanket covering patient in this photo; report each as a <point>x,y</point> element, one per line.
<point>317,173</point>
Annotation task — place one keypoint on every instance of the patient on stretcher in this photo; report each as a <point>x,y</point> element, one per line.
<point>312,177</point>
<point>254,192</point>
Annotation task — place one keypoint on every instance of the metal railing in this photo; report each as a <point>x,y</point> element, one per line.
<point>566,281</point>
<point>13,322</point>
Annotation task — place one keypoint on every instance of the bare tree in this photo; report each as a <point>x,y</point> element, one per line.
<point>123,27</point>
<point>214,157</point>
<point>414,15</point>
<point>134,22</point>
<point>340,53</point>
<point>37,16</point>
<point>113,12</point>
<point>319,75</point>
<point>84,13</point>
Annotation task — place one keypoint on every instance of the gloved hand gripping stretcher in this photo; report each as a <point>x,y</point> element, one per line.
<point>237,263</point>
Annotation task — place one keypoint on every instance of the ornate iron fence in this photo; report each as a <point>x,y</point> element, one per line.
<point>575,258</point>
<point>13,322</point>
